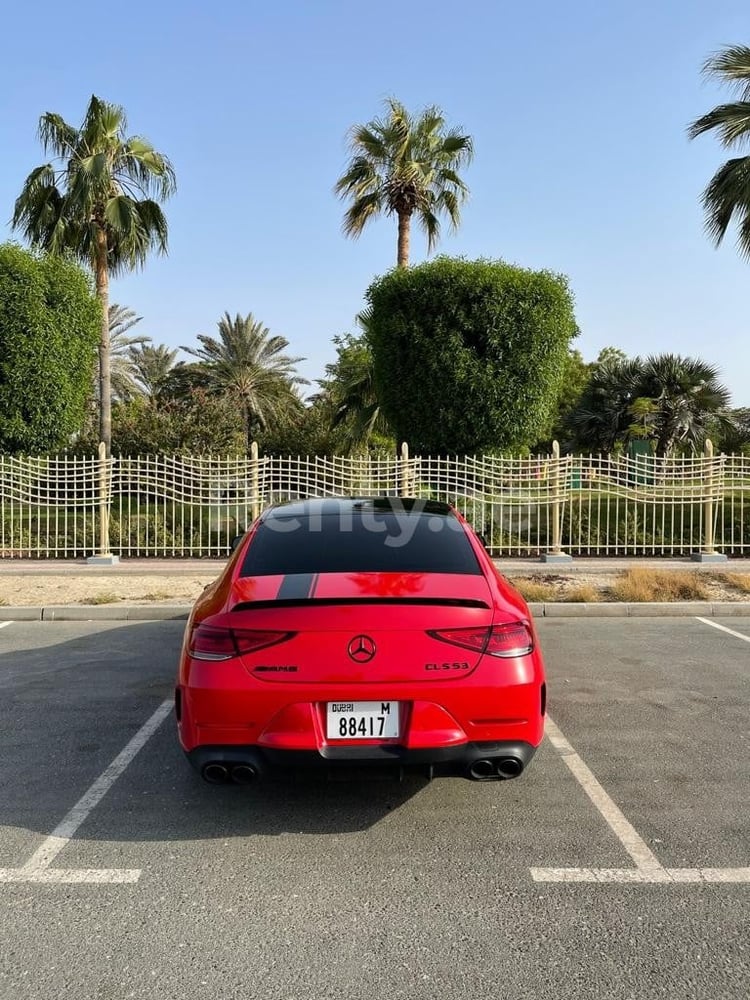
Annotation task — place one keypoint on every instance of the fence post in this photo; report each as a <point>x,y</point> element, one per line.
<point>254,480</point>
<point>708,553</point>
<point>556,554</point>
<point>104,557</point>
<point>404,471</point>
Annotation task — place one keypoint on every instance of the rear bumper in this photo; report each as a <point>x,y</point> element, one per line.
<point>480,761</point>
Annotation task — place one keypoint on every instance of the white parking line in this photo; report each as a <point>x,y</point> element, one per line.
<point>37,868</point>
<point>647,867</point>
<point>723,628</point>
<point>5,624</point>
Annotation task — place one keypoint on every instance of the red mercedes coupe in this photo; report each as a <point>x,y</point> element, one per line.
<point>360,632</point>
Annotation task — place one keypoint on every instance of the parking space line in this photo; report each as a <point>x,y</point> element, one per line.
<point>723,628</point>
<point>648,869</point>
<point>5,624</point>
<point>37,868</point>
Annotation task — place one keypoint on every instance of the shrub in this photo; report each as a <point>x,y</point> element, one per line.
<point>49,329</point>
<point>469,355</point>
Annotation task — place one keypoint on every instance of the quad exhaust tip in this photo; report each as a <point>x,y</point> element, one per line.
<point>215,773</point>
<point>218,773</point>
<point>500,769</point>
<point>509,767</point>
<point>244,774</point>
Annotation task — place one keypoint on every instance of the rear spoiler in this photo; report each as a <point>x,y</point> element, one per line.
<point>319,602</point>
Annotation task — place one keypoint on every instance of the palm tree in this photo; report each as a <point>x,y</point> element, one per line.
<point>122,371</point>
<point>687,398</point>
<point>350,391</point>
<point>402,165</point>
<point>728,193</point>
<point>677,400</point>
<point>98,201</point>
<point>246,365</point>
<point>151,367</point>
<point>601,418</point>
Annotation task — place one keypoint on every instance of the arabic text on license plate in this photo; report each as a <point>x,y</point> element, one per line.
<point>362,720</point>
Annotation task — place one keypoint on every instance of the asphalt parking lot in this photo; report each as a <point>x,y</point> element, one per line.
<point>618,866</point>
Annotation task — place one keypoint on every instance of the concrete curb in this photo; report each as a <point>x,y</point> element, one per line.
<point>98,613</point>
<point>676,609</point>
<point>180,612</point>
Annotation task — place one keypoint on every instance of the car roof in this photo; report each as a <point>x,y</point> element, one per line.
<point>332,506</point>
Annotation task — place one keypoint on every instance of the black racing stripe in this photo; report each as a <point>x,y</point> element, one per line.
<point>295,586</point>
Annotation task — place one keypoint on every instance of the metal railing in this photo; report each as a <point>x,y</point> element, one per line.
<point>159,505</point>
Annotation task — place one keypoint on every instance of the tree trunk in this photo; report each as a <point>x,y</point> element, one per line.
<point>404,225</point>
<point>247,426</point>
<point>105,384</point>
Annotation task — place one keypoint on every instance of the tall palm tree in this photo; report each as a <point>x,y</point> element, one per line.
<point>247,365</point>
<point>99,200</point>
<point>728,193</point>
<point>122,370</point>
<point>151,366</point>
<point>404,166</point>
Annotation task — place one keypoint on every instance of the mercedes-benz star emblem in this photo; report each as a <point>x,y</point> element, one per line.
<point>361,649</point>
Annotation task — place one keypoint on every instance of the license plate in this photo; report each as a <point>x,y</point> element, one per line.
<point>362,720</point>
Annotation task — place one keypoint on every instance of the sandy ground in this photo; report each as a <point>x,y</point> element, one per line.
<point>40,590</point>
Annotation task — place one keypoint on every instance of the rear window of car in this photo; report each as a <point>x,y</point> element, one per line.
<point>379,543</point>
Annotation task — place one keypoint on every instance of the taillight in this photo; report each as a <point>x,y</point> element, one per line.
<point>211,642</point>
<point>500,640</point>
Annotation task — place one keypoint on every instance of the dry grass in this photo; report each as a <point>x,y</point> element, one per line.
<point>639,585</point>
<point>106,597</point>
<point>738,581</point>
<point>533,591</point>
<point>583,593</point>
<point>157,595</point>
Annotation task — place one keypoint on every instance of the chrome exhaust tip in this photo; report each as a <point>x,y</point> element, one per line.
<point>509,767</point>
<point>482,770</point>
<point>215,773</point>
<point>244,774</point>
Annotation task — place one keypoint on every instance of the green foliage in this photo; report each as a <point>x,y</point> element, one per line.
<point>246,366</point>
<point>151,366</point>
<point>121,346</point>
<point>49,328</point>
<point>469,355</point>
<point>405,165</point>
<point>576,376</point>
<point>727,196</point>
<point>98,199</point>
<point>357,421</point>
<point>196,424</point>
<point>732,436</point>
<point>668,399</point>
<point>308,431</point>
<point>102,182</point>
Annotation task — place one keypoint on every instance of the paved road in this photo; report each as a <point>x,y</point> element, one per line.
<point>381,890</point>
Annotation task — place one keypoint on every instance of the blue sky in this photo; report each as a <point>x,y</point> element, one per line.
<point>578,113</point>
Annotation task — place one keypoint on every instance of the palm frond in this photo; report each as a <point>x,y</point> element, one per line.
<point>56,136</point>
<point>727,195</point>
<point>732,66</point>
<point>731,122</point>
